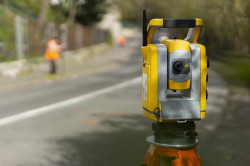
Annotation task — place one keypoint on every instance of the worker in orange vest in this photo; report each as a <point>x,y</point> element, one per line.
<point>121,40</point>
<point>52,54</point>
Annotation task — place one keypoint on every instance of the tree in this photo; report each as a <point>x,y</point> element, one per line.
<point>58,14</point>
<point>40,23</point>
<point>85,12</point>
<point>226,22</point>
<point>27,8</point>
<point>72,11</point>
<point>131,10</point>
<point>90,11</point>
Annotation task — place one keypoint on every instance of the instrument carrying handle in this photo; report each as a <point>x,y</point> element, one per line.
<point>179,23</point>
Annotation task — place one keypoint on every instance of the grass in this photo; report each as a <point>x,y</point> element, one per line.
<point>236,69</point>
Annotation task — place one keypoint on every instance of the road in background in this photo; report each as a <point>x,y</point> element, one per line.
<point>108,129</point>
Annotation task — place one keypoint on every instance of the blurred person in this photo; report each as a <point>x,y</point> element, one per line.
<point>121,40</point>
<point>53,54</point>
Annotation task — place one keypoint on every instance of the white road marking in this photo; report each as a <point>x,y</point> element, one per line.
<point>75,100</point>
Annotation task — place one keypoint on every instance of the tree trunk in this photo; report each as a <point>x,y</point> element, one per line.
<point>72,12</point>
<point>39,26</point>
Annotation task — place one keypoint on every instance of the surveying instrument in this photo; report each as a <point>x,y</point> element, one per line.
<point>174,77</point>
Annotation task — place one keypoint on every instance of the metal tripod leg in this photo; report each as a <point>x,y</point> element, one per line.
<point>171,156</point>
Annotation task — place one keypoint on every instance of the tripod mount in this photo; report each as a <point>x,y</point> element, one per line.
<point>173,144</point>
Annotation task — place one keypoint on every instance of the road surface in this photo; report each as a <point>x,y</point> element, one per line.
<point>90,120</point>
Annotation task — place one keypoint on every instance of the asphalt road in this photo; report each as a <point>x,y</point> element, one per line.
<point>100,124</point>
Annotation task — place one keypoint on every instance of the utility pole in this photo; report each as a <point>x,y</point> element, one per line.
<point>19,37</point>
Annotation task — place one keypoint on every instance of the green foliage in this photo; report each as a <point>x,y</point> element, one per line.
<point>132,10</point>
<point>87,13</point>
<point>227,22</point>
<point>235,69</point>
<point>90,12</point>
<point>7,34</point>
<point>25,7</point>
<point>58,14</point>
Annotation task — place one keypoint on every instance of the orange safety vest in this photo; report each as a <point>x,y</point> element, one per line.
<point>121,40</point>
<point>52,50</point>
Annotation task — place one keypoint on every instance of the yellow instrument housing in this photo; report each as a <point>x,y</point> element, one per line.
<point>177,45</point>
<point>156,108</point>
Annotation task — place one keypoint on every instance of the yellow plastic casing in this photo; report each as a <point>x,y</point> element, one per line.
<point>177,45</point>
<point>158,23</point>
<point>178,85</point>
<point>154,23</point>
<point>199,24</point>
<point>203,81</point>
<point>150,69</point>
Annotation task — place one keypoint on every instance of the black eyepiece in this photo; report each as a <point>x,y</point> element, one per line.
<point>178,66</point>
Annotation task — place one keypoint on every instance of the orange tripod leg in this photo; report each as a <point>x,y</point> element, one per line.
<point>151,157</point>
<point>172,156</point>
<point>187,157</point>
